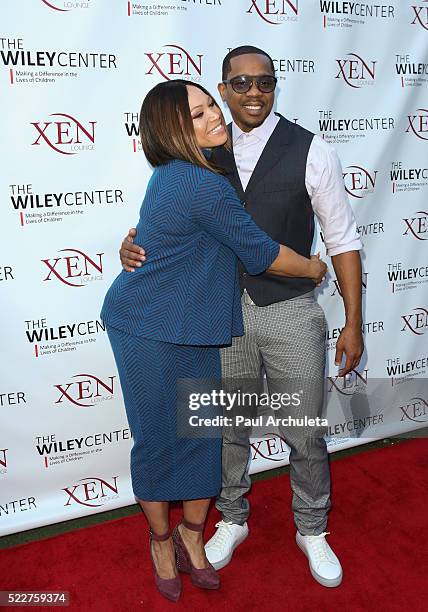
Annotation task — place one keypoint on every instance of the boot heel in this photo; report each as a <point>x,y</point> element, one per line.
<point>205,578</point>
<point>183,561</point>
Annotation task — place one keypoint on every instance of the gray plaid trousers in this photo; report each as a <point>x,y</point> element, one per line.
<point>286,341</point>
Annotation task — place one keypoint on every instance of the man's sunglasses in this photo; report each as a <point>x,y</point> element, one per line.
<point>242,84</point>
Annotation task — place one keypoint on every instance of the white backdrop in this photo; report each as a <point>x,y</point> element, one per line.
<point>72,78</point>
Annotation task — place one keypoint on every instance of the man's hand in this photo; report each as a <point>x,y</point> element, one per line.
<point>131,255</point>
<point>351,343</point>
<point>348,271</point>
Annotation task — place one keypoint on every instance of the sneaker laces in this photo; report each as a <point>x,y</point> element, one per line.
<point>319,547</point>
<point>223,532</point>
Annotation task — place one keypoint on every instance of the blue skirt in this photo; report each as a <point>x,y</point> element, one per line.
<point>165,464</point>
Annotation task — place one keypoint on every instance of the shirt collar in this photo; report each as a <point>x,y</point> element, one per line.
<point>263,132</point>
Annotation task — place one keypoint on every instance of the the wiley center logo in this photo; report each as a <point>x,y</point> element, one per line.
<point>420,14</point>
<point>355,71</point>
<point>86,390</point>
<point>359,182</point>
<point>175,62</point>
<point>417,226</point>
<point>275,12</point>
<point>75,268</point>
<point>66,135</point>
<point>132,122</point>
<point>416,321</point>
<point>92,492</point>
<point>418,124</point>
<point>408,179</point>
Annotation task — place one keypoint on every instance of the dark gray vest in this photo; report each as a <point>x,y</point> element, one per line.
<point>277,199</point>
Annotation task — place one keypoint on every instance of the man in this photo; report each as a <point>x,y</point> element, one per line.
<point>283,174</point>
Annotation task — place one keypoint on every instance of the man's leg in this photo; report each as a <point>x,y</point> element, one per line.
<point>292,342</point>
<point>241,371</point>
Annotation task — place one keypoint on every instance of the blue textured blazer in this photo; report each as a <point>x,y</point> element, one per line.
<point>193,228</point>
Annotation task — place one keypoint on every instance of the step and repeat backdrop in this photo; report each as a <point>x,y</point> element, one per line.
<point>73,75</point>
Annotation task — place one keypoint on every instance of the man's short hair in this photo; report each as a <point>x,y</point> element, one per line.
<point>244,50</point>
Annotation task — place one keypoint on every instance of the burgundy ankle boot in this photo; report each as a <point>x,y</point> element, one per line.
<point>168,587</point>
<point>205,578</point>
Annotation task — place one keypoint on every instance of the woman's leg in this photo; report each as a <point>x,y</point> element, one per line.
<point>163,553</point>
<point>195,511</point>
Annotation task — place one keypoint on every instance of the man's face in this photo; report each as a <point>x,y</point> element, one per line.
<point>249,109</point>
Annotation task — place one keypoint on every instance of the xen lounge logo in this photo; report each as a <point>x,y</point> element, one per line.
<point>68,136</point>
<point>354,382</point>
<point>92,492</point>
<point>355,71</point>
<point>74,270</point>
<point>415,410</point>
<point>272,448</point>
<point>86,391</point>
<point>418,124</point>
<point>66,5</point>
<point>416,321</point>
<point>420,14</point>
<point>175,62</point>
<point>275,12</point>
<point>359,182</point>
<point>417,226</point>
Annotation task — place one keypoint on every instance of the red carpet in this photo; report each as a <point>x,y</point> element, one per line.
<point>379,531</point>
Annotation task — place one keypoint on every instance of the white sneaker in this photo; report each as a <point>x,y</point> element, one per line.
<point>219,549</point>
<point>324,565</point>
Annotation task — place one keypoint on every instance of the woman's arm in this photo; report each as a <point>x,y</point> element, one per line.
<point>217,209</point>
<point>290,263</point>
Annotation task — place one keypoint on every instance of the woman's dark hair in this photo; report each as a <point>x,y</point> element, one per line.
<point>166,125</point>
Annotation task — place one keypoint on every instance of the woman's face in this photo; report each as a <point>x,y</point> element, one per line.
<point>207,119</point>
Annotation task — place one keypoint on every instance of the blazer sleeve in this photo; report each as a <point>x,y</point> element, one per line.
<point>217,208</point>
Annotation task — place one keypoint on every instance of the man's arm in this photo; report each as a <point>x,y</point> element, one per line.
<point>348,273</point>
<point>131,255</point>
<point>324,182</point>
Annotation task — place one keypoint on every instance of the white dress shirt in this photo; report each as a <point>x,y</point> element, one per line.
<point>323,180</point>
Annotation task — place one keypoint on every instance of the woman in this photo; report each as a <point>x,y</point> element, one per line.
<point>167,320</point>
